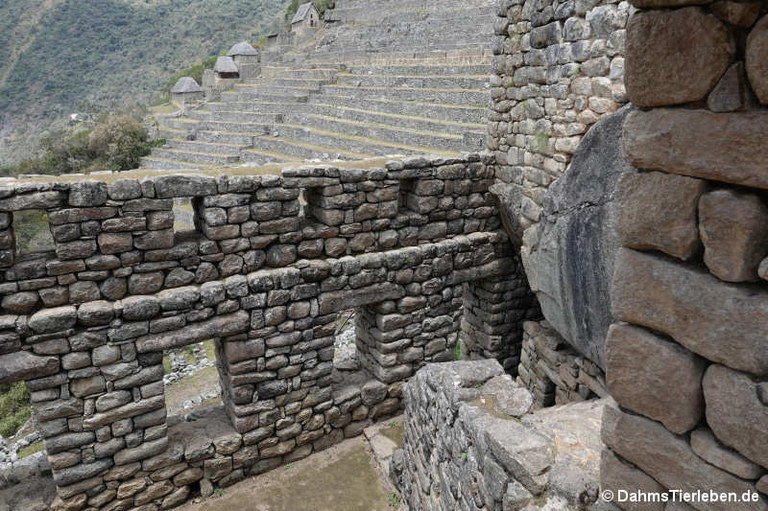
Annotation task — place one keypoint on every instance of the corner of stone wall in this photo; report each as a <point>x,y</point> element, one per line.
<point>689,291</point>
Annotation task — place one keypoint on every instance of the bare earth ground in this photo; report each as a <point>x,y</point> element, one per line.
<point>344,477</point>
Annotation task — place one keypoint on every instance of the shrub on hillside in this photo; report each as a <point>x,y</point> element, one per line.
<point>14,408</point>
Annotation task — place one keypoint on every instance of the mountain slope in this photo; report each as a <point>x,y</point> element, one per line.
<point>58,57</point>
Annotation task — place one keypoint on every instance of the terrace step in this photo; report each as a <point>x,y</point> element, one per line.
<point>196,157</point>
<point>299,149</point>
<point>442,96</point>
<point>421,123</point>
<point>474,82</point>
<point>457,113</point>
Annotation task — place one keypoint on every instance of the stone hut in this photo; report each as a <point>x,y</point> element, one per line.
<point>246,58</point>
<point>186,91</point>
<point>225,68</point>
<point>306,18</point>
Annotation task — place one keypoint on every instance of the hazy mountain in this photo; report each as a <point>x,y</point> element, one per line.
<point>59,57</point>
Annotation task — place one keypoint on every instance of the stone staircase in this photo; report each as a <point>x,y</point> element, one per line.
<point>380,81</point>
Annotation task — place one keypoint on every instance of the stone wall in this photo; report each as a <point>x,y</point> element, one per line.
<point>270,263</point>
<point>559,70</point>
<point>470,443</point>
<point>690,296</point>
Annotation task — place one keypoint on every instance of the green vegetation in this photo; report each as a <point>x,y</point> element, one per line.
<point>115,142</point>
<point>457,352</point>
<point>393,499</point>
<point>195,71</point>
<point>59,57</point>
<point>14,408</point>
<point>30,449</point>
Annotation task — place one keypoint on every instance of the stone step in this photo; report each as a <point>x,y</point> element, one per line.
<point>207,147</point>
<point>298,149</point>
<point>272,88</point>
<point>266,97</point>
<point>229,137</point>
<point>458,113</point>
<point>472,82</point>
<point>250,157</point>
<point>441,69</point>
<point>157,163</point>
<point>421,12</point>
<point>402,121</point>
<point>386,133</point>
<point>207,116</point>
<point>231,103</point>
<point>181,155</point>
<point>238,126</point>
<point>462,53</point>
<point>312,84</point>
<point>356,143</point>
<point>179,123</point>
<point>441,96</point>
<point>319,73</point>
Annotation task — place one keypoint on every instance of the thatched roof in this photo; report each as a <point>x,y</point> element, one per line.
<point>302,12</point>
<point>242,48</point>
<point>186,84</point>
<point>225,65</point>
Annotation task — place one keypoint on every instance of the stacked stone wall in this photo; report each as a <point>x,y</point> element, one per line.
<point>690,295</point>
<point>471,443</point>
<point>558,72</point>
<point>270,263</point>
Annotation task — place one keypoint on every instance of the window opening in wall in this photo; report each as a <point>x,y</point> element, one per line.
<point>183,217</point>
<point>345,349</point>
<point>191,378</point>
<point>32,232</point>
<point>406,187</point>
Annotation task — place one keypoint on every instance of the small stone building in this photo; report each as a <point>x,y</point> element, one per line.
<point>186,91</point>
<point>246,58</point>
<point>307,18</point>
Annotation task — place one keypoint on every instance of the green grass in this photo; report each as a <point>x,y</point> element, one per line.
<point>14,408</point>
<point>393,499</point>
<point>31,449</point>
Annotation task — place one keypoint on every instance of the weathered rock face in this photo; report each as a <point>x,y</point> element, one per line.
<point>757,46</point>
<point>645,369</point>
<point>735,413</point>
<point>664,42</point>
<point>670,227</point>
<point>692,306</point>
<point>570,266</point>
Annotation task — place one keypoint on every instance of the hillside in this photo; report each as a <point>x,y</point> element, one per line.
<point>59,57</point>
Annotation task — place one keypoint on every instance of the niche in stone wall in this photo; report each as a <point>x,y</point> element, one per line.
<point>184,217</point>
<point>32,232</point>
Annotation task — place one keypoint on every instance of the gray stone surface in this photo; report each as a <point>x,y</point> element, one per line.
<point>570,265</point>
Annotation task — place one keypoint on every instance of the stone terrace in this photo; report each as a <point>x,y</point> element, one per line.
<point>374,81</point>
<point>264,274</point>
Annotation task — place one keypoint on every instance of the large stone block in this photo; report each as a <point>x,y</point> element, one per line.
<point>757,49</point>
<point>735,413</point>
<point>657,211</point>
<point>617,475</point>
<point>570,266</point>
<point>704,443</point>
<point>23,365</point>
<point>53,320</point>
<point>654,377</point>
<point>719,321</point>
<point>728,147</point>
<point>661,43</point>
<point>215,327</point>
<point>734,229</point>
<point>669,459</point>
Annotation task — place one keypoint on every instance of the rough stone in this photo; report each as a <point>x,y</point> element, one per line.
<point>670,226</point>
<point>725,147</point>
<point>22,365</point>
<point>53,320</point>
<point>570,266</point>
<point>616,475</point>
<point>734,229</point>
<point>704,443</point>
<point>757,47</point>
<point>735,413</point>
<point>666,387</point>
<point>691,306</point>
<point>660,43</point>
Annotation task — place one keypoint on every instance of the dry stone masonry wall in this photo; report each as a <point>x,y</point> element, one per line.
<point>690,294</point>
<point>554,133</point>
<point>270,263</point>
<point>471,443</point>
